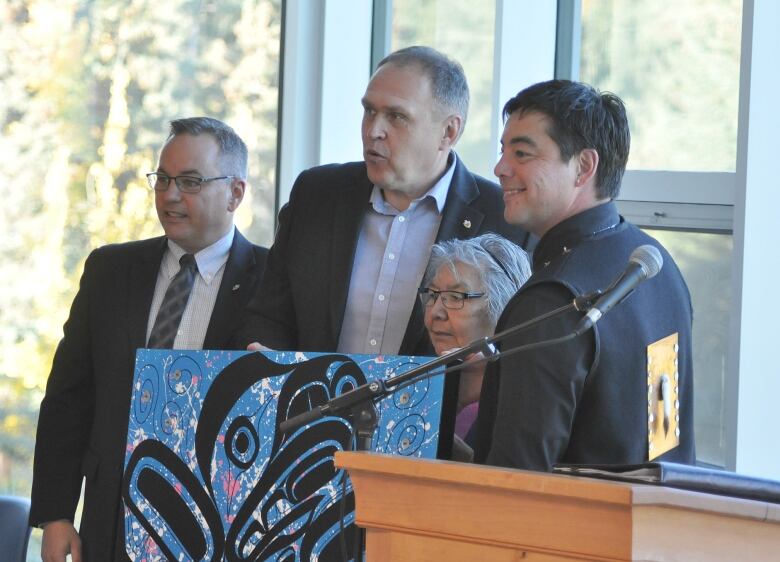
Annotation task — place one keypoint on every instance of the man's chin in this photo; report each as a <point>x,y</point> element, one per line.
<point>173,232</point>
<point>516,215</point>
<point>177,235</point>
<point>377,173</point>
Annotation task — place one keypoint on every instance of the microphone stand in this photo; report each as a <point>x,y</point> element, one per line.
<point>352,404</point>
<point>359,404</point>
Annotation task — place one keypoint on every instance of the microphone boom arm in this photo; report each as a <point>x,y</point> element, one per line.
<point>374,391</point>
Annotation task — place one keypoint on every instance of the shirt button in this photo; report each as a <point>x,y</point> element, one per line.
<point>401,219</point>
<point>381,298</point>
<point>179,332</point>
<point>391,256</point>
<point>372,342</point>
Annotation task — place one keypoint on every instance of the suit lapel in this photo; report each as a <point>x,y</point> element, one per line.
<point>459,220</point>
<point>236,280</point>
<point>142,281</point>
<point>348,216</point>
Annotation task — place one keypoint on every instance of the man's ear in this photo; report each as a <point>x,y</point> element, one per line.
<point>237,189</point>
<point>453,126</point>
<point>587,166</point>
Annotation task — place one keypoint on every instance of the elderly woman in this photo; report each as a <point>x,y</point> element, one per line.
<point>465,288</point>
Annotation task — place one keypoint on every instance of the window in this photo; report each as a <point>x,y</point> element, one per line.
<point>444,24</point>
<point>677,69</point>
<point>678,72</point>
<point>704,259</point>
<point>88,89</point>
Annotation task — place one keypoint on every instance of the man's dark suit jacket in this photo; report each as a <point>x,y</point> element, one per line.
<point>304,291</point>
<point>82,428</point>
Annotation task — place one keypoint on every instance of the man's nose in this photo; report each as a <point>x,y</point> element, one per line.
<point>501,169</point>
<point>377,128</point>
<point>172,193</point>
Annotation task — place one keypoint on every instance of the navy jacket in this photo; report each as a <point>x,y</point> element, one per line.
<point>585,401</point>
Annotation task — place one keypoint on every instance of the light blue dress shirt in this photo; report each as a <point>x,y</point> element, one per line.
<point>392,253</point>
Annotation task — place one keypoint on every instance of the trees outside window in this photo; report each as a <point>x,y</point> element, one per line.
<point>88,88</point>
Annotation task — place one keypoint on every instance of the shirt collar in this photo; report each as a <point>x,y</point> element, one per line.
<point>210,259</point>
<point>438,192</point>
<point>594,222</point>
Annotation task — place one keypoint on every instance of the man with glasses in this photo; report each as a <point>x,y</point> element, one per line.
<point>354,239</point>
<point>184,290</point>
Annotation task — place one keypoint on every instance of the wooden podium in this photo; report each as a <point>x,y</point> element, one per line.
<point>438,511</point>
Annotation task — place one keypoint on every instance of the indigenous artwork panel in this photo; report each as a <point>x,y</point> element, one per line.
<point>208,475</point>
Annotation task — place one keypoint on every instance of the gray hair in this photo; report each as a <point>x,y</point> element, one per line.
<point>501,265</point>
<point>448,81</point>
<point>232,150</point>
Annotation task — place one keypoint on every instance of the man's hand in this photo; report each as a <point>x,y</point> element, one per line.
<point>60,539</point>
<point>255,346</point>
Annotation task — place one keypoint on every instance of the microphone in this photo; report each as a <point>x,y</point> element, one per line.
<point>645,262</point>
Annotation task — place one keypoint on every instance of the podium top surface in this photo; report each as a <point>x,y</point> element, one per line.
<point>618,494</point>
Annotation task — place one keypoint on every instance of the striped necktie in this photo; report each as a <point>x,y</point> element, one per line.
<point>172,308</point>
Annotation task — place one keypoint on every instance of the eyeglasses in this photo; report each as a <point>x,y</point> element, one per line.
<point>186,184</point>
<point>453,300</point>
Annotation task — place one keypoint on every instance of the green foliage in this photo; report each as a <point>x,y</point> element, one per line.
<point>88,89</point>
<point>677,69</point>
<point>464,33</point>
<point>18,415</point>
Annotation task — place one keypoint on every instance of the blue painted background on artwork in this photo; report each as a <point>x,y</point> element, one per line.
<point>207,475</point>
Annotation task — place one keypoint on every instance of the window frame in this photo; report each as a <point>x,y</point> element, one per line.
<point>740,202</point>
<point>674,190</point>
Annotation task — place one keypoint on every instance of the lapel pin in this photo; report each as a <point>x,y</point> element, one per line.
<point>467,223</point>
<point>236,286</point>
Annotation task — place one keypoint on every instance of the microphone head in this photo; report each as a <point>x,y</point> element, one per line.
<point>648,258</point>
